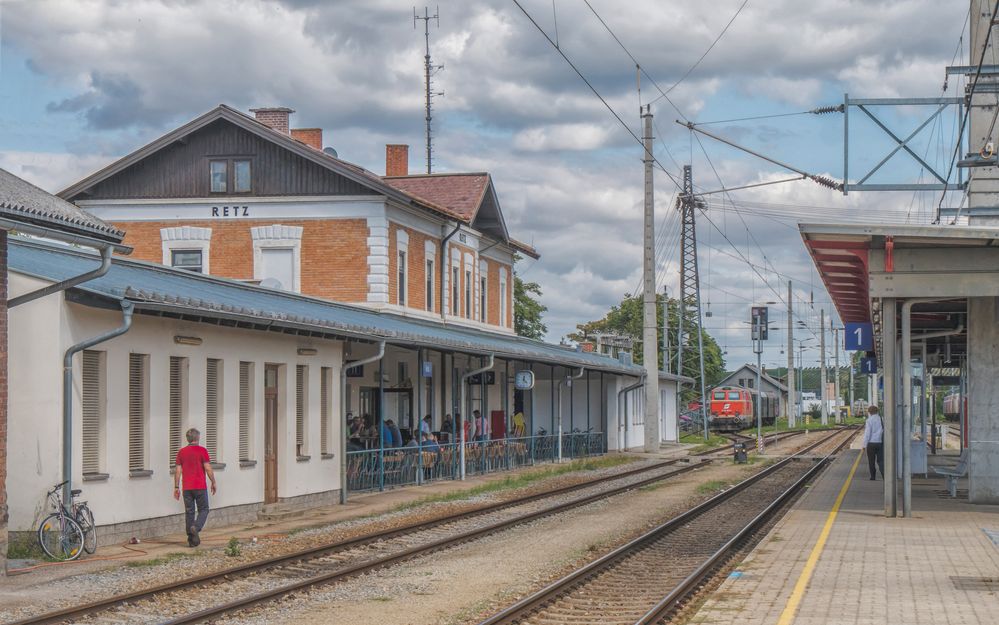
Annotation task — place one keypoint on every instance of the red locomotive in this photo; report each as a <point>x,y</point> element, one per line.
<point>731,408</point>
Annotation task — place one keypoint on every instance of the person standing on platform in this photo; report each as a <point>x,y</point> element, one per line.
<point>194,465</point>
<point>874,437</point>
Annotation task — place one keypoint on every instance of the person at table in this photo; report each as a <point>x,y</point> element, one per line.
<point>425,425</point>
<point>430,443</point>
<point>447,428</point>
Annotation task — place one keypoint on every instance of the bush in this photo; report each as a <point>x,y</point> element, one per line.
<point>233,548</point>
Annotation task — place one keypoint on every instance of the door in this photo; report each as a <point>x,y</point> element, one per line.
<point>271,433</point>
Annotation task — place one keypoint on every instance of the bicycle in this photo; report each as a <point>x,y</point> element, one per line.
<point>67,532</point>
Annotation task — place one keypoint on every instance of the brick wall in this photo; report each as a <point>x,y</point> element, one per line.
<point>492,314</point>
<point>396,160</point>
<point>416,259</point>
<point>312,137</point>
<point>3,402</point>
<point>334,252</point>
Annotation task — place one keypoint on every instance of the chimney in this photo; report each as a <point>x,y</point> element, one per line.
<point>312,137</point>
<point>396,159</point>
<point>275,117</point>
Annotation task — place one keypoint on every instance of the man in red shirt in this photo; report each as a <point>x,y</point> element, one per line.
<point>194,465</point>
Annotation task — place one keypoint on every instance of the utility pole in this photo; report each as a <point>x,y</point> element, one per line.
<point>982,184</point>
<point>759,322</point>
<point>690,287</point>
<point>650,326</point>
<point>666,358</point>
<point>836,360</point>
<point>792,401</point>
<point>851,386</point>
<point>822,366</point>
<point>428,68</point>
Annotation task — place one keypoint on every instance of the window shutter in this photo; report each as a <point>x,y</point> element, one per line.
<point>176,405</point>
<point>92,411</point>
<point>300,409</point>
<point>212,408</point>
<point>245,375</point>
<point>137,403</point>
<point>324,409</point>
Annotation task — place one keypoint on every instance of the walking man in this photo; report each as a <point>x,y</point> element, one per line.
<point>874,436</point>
<point>194,465</point>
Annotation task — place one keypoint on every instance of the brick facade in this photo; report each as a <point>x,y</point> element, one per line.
<point>312,137</point>
<point>416,275</point>
<point>3,402</point>
<point>334,252</point>
<point>396,160</point>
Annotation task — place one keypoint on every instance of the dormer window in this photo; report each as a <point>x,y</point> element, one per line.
<point>240,180</point>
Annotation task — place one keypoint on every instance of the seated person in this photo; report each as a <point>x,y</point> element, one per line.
<point>430,443</point>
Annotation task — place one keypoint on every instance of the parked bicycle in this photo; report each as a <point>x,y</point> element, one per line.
<point>67,532</point>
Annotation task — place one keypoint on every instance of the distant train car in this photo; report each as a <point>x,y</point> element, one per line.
<point>731,408</point>
<point>952,407</point>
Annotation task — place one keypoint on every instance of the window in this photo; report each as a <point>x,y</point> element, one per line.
<point>277,256</point>
<point>482,298</point>
<point>502,297</point>
<point>454,291</point>
<point>187,259</point>
<point>177,405</point>
<point>468,294</point>
<point>325,380</point>
<point>430,285</point>
<point>213,407</point>
<point>138,410</point>
<point>241,176</point>
<point>719,394</point>
<point>245,410</point>
<point>220,176</point>
<point>301,408</point>
<point>92,398</point>
<point>402,278</point>
<point>278,268</point>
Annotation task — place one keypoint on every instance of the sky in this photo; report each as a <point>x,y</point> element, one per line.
<point>83,82</point>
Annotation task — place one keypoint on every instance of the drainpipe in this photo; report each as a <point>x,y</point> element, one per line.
<point>67,393</point>
<point>461,424</point>
<point>343,413</point>
<point>445,264</point>
<point>568,382</point>
<point>104,267</point>
<point>620,394</point>
<point>907,397</point>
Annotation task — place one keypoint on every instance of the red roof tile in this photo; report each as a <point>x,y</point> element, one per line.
<point>459,193</point>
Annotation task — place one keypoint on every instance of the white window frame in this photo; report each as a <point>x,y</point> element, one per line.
<point>94,444</point>
<point>402,267</point>
<point>187,238</point>
<point>483,291</point>
<point>138,416</point>
<point>302,412</point>
<point>280,237</point>
<point>246,400</point>
<point>471,286</point>
<point>177,416</point>
<point>214,447</point>
<point>430,267</point>
<point>503,297</point>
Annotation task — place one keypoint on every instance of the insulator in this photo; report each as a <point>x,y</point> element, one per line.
<point>827,182</point>
<point>822,110</point>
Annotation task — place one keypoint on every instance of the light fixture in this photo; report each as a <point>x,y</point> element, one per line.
<point>307,351</point>
<point>187,340</point>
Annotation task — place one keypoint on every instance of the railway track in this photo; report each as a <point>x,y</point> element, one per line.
<point>631,585</point>
<point>767,439</point>
<point>266,580</point>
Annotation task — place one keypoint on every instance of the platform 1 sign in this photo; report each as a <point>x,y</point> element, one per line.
<point>859,337</point>
<point>868,365</point>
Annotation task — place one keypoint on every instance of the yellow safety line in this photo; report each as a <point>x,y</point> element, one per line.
<point>787,616</point>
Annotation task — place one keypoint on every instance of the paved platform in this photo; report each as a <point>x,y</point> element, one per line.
<point>858,567</point>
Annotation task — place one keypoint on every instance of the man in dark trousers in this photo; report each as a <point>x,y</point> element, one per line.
<point>874,437</point>
<point>194,465</point>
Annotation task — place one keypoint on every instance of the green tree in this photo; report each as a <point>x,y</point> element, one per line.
<point>527,310</point>
<point>625,319</point>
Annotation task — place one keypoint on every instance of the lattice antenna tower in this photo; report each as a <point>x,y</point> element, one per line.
<point>429,69</point>
<point>690,292</point>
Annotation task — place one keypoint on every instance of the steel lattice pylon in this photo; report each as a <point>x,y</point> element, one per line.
<point>690,297</point>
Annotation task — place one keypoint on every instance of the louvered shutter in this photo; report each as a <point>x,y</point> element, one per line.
<point>92,412</point>
<point>300,372</point>
<point>137,402</point>
<point>212,408</point>
<point>245,376</point>
<point>324,410</point>
<point>176,415</point>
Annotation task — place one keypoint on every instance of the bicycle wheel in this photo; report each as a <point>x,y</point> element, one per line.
<point>85,519</point>
<point>60,537</point>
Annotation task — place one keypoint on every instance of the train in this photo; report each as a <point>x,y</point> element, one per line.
<point>731,408</point>
<point>952,407</point>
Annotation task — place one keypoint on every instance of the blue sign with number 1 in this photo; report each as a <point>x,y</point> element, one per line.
<point>868,365</point>
<point>859,337</point>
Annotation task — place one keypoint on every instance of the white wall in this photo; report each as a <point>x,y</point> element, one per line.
<point>40,333</point>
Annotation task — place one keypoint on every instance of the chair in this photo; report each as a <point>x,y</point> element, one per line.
<point>952,475</point>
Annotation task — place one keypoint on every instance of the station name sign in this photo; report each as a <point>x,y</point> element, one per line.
<point>230,211</point>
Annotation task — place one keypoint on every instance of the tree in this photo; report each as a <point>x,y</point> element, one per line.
<point>527,310</point>
<point>626,319</point>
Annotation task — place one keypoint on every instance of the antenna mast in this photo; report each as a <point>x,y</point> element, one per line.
<point>428,68</point>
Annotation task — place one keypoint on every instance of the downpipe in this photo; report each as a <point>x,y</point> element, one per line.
<point>566,381</point>
<point>343,413</point>
<point>127,309</point>
<point>464,398</point>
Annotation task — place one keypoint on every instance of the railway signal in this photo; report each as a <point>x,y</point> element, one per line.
<point>758,317</point>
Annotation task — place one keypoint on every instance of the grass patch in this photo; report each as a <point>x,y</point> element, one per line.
<point>697,438</point>
<point>165,559</point>
<point>713,486</point>
<point>24,546</point>
<point>526,478</point>
<point>814,424</point>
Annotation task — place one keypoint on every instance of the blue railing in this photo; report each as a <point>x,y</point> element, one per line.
<point>377,469</point>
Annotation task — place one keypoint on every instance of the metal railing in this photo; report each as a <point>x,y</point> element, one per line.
<point>378,469</point>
